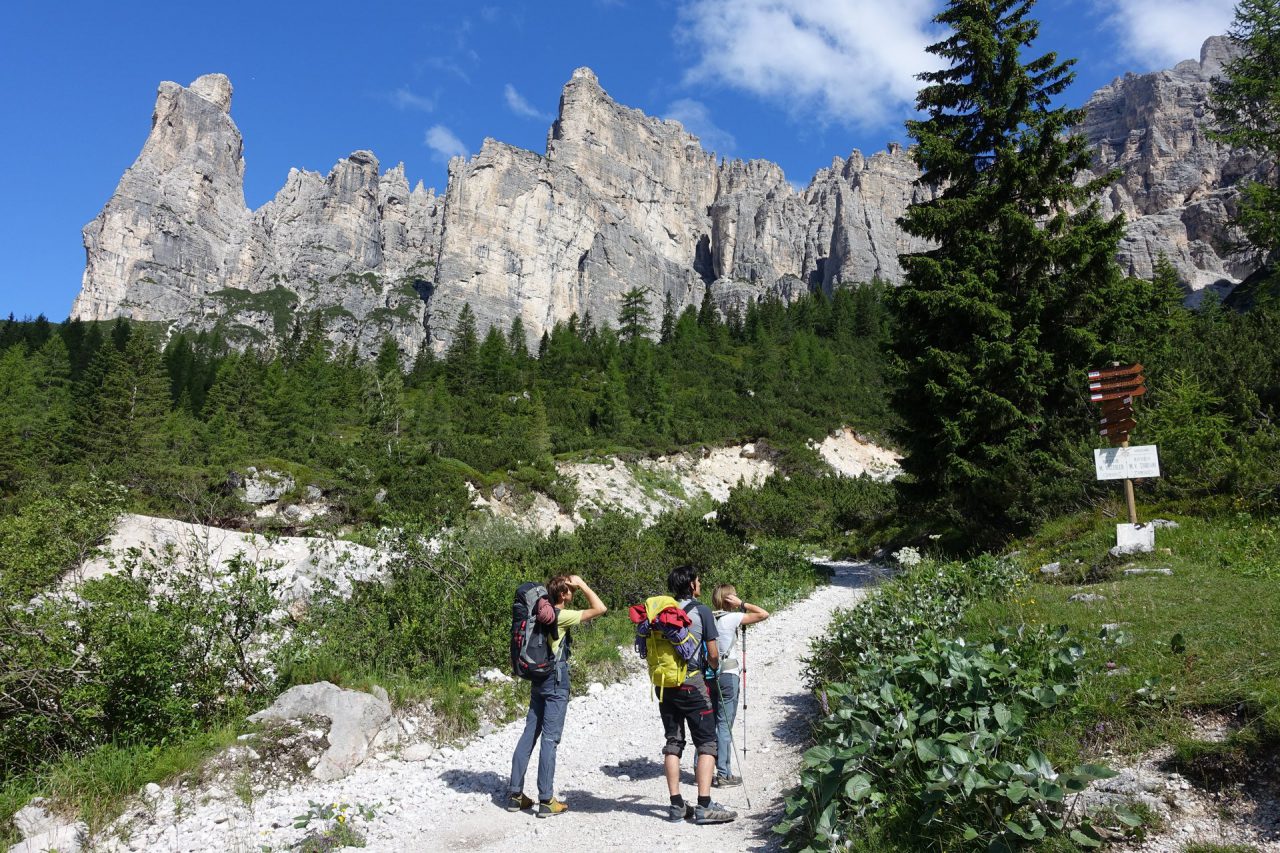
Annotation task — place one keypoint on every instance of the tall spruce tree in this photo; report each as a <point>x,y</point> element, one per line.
<point>997,323</point>
<point>1246,108</point>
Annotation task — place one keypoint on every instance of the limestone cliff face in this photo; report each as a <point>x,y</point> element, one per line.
<point>1177,187</point>
<point>177,244</point>
<point>619,200</point>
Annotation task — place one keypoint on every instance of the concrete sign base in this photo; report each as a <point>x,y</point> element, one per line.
<point>1135,538</point>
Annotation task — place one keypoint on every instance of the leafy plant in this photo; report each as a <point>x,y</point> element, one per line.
<point>336,828</point>
<point>936,739</point>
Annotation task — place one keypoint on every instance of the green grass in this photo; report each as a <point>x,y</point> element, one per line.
<point>95,787</point>
<point>1210,847</point>
<point>1204,639</point>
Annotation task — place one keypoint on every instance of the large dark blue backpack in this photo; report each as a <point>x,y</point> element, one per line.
<point>531,656</point>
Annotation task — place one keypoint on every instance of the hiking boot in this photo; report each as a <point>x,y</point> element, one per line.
<point>726,781</point>
<point>519,802</point>
<point>684,811</point>
<point>551,808</point>
<point>712,813</point>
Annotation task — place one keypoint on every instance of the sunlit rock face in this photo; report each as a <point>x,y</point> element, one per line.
<point>619,200</point>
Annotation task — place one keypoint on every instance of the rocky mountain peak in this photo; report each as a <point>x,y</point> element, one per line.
<point>214,88</point>
<point>619,200</point>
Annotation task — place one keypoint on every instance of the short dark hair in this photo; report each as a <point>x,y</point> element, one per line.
<point>680,581</point>
<point>557,586</point>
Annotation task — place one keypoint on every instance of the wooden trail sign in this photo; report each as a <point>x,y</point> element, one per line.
<point>1115,388</point>
<point>1112,373</point>
<point>1115,392</point>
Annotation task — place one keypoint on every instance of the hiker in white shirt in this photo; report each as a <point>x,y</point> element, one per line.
<point>731,613</point>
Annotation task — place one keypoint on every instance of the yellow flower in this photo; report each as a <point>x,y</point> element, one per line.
<point>341,818</point>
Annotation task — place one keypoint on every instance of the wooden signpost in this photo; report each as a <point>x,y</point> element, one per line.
<point>1115,388</point>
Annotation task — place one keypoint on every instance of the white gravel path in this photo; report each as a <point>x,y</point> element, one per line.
<point>609,771</point>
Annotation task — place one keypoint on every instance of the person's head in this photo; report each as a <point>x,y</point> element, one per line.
<point>722,592</point>
<point>683,582</point>
<point>559,590</point>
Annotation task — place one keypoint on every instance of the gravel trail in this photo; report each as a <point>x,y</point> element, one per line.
<point>609,770</point>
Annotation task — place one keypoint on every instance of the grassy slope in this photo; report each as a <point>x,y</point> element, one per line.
<point>1222,602</point>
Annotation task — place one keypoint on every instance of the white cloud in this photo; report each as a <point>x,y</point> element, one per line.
<point>406,99</point>
<point>1160,33</point>
<point>850,61</point>
<point>521,107</point>
<point>445,143</point>
<point>696,119</point>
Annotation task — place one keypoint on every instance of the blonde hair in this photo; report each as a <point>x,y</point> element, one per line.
<point>722,592</point>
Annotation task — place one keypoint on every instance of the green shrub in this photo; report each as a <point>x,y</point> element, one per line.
<point>932,596</point>
<point>154,653</point>
<point>933,742</point>
<point>53,532</point>
<point>808,506</point>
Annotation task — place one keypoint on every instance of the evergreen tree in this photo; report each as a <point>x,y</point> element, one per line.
<point>668,319</point>
<point>497,371</point>
<point>634,318</point>
<point>462,358</point>
<point>996,326</point>
<point>120,420</point>
<point>1246,107</point>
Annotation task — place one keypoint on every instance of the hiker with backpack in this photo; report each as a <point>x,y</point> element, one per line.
<point>677,636</point>
<point>541,642</point>
<point>731,613</point>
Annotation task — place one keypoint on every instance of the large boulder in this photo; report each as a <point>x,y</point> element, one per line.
<point>360,723</point>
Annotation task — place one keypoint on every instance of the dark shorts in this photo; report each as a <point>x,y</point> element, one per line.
<point>690,703</point>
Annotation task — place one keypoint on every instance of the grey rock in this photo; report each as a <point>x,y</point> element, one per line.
<point>265,486</point>
<point>1154,571</point>
<point>360,723</point>
<point>1165,524</point>
<point>33,819</point>
<point>1087,597</point>
<point>64,839</point>
<point>618,200</point>
<point>314,494</point>
<point>1178,187</point>
<point>1054,568</point>
<point>418,752</point>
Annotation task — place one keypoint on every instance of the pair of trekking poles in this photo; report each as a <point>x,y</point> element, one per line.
<point>733,744</point>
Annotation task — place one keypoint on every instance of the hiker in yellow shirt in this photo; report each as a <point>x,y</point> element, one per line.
<point>549,700</point>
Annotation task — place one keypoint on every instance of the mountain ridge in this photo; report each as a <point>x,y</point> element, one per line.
<point>619,200</point>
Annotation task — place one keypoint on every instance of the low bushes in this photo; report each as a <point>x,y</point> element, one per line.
<point>444,610</point>
<point>149,655</point>
<point>932,596</point>
<point>810,506</point>
<point>926,738</point>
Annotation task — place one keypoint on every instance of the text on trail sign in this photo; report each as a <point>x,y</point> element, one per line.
<point>1127,463</point>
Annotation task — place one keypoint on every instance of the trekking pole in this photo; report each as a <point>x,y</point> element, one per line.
<point>744,696</point>
<point>733,748</point>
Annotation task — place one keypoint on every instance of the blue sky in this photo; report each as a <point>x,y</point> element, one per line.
<point>793,81</point>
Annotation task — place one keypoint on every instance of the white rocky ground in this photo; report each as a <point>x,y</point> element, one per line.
<point>609,773</point>
<point>649,487</point>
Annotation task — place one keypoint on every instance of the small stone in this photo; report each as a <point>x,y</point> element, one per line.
<point>1087,597</point>
<point>1054,568</point>
<point>1156,571</point>
<point>151,791</point>
<point>595,688</point>
<point>418,752</point>
<point>1165,523</point>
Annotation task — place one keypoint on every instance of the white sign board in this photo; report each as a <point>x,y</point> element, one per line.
<point>1127,463</point>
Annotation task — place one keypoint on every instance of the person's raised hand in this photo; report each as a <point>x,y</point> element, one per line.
<point>575,582</point>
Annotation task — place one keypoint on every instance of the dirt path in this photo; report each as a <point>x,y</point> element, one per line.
<point>609,771</point>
